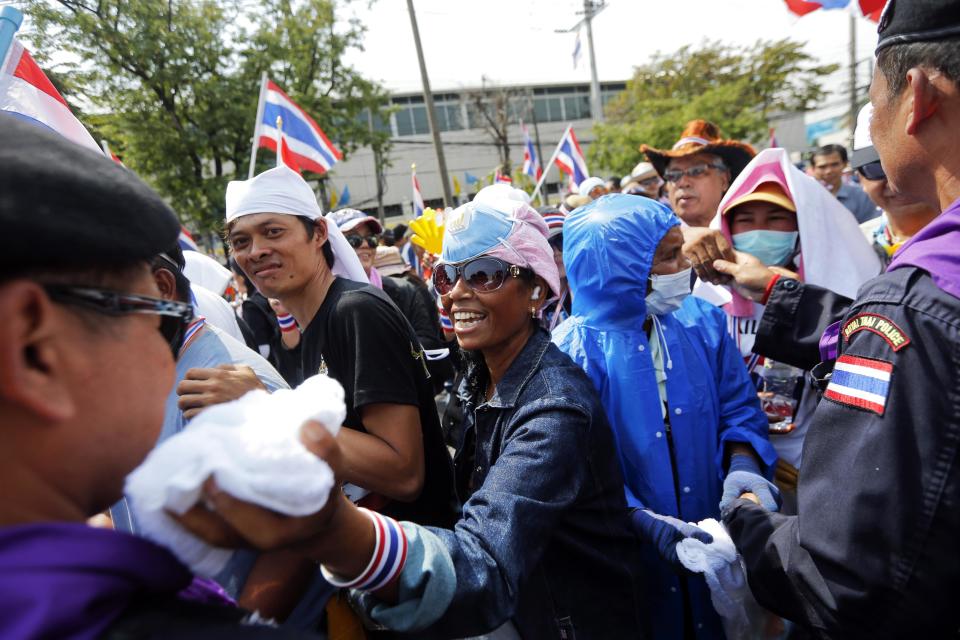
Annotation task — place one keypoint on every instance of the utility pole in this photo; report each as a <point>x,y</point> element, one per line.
<point>376,169</point>
<point>591,8</point>
<point>853,77</point>
<point>431,113</point>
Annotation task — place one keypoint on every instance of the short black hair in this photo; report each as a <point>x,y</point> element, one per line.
<point>896,60</point>
<point>828,150</point>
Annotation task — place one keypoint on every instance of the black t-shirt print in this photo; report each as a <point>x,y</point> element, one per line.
<point>360,338</point>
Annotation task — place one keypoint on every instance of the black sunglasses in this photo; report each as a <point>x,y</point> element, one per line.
<point>482,274</point>
<point>872,171</point>
<point>175,316</point>
<point>355,241</point>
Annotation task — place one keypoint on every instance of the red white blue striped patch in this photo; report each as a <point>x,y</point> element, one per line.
<point>858,382</point>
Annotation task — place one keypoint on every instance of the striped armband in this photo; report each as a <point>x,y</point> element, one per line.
<point>286,322</point>
<point>387,561</point>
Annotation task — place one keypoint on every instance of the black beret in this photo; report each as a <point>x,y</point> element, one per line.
<point>63,206</point>
<point>904,21</point>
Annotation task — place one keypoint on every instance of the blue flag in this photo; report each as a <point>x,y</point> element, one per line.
<point>470,178</point>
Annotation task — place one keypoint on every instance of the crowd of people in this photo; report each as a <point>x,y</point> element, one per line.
<point>717,397</point>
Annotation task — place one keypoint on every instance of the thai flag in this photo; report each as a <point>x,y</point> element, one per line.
<point>418,205</point>
<point>499,176</point>
<point>869,8</point>
<point>309,147</point>
<point>26,92</point>
<point>570,157</point>
<point>186,241</point>
<point>531,164</point>
<point>554,219</point>
<point>863,383</point>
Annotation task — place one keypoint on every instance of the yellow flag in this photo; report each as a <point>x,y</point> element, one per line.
<point>456,186</point>
<point>333,197</point>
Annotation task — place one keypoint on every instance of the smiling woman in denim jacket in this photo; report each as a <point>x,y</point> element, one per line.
<point>544,541</point>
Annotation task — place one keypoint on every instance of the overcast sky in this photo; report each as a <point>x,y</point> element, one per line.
<point>514,41</point>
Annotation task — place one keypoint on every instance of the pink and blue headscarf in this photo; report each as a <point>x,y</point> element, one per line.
<point>507,229</point>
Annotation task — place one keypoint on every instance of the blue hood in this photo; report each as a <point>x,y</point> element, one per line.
<point>608,248</point>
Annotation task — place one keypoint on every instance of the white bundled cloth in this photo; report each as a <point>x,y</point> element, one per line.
<point>251,447</point>
<point>723,570</point>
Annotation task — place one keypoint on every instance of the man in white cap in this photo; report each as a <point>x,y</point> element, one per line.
<point>393,445</point>
<point>395,458</point>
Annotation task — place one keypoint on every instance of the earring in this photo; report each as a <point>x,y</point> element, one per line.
<point>533,312</point>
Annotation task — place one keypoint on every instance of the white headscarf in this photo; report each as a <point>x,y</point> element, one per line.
<point>282,190</point>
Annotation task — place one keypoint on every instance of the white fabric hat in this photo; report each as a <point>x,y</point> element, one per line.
<point>278,190</point>
<point>590,184</point>
<point>282,190</point>
<point>500,191</point>
<point>863,149</point>
<point>205,271</point>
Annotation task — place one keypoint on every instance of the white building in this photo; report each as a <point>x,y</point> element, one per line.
<point>470,150</point>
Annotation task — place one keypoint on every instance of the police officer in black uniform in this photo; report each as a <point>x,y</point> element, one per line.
<point>873,549</point>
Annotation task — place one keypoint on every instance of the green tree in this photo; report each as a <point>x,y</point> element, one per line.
<point>173,85</point>
<point>737,88</point>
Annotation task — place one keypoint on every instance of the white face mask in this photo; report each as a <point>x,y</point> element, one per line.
<point>668,292</point>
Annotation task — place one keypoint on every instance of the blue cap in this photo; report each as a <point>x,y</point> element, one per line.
<point>472,229</point>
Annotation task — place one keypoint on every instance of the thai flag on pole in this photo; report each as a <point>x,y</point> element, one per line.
<point>26,92</point>
<point>531,164</point>
<point>418,206</point>
<point>570,157</point>
<point>309,147</point>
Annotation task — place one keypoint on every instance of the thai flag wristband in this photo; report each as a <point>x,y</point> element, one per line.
<point>286,322</point>
<point>387,561</point>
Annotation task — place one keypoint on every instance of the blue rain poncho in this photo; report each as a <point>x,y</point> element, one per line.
<point>608,251</point>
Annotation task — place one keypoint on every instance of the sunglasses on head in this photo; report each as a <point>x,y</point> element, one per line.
<point>357,241</point>
<point>483,274</point>
<point>872,171</point>
<point>175,316</point>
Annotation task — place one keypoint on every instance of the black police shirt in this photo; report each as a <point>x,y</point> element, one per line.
<point>360,338</point>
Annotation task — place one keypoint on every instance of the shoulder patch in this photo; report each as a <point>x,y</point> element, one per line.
<point>862,383</point>
<point>880,325</point>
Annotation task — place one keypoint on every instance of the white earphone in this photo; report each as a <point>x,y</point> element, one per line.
<point>536,293</point>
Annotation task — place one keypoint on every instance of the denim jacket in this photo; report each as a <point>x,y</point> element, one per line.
<point>544,538</point>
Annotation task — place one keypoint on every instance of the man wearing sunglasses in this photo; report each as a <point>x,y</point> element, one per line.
<point>87,347</point>
<point>698,170</point>
<point>903,216</point>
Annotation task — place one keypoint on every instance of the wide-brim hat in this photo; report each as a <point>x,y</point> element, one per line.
<point>641,172</point>
<point>389,262</point>
<point>700,136</point>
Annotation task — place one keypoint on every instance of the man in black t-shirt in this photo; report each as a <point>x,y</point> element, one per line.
<point>395,459</point>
